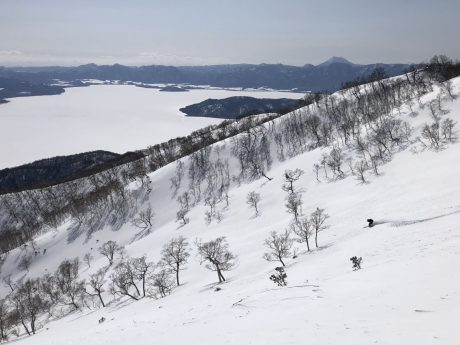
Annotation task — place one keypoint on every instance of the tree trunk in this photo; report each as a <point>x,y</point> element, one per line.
<point>143,284</point>
<point>135,286</point>
<point>219,274</point>
<point>177,274</point>
<point>25,326</point>
<point>268,178</point>
<point>100,299</point>
<point>32,324</point>
<point>133,297</point>
<point>281,260</point>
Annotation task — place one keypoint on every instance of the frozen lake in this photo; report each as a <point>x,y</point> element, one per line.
<point>116,118</point>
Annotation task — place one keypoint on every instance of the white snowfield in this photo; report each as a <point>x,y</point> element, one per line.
<point>98,117</point>
<point>407,292</point>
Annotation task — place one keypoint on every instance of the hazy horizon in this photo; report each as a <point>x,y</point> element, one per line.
<point>180,33</point>
<point>188,65</point>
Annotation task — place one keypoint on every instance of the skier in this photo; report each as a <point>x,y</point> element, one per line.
<point>371,222</point>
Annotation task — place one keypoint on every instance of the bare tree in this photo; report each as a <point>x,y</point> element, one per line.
<point>96,282</point>
<point>51,293</point>
<point>87,259</point>
<point>294,205</point>
<point>185,200</point>
<point>181,216</point>
<point>335,162</point>
<point>317,220</point>
<point>279,246</point>
<point>252,200</point>
<point>141,268</point>
<point>291,176</point>
<point>447,130</point>
<point>324,163</point>
<point>5,320</point>
<point>316,169</point>
<point>109,249</point>
<point>303,229</point>
<point>70,288</point>
<point>360,170</point>
<point>162,283</point>
<point>144,219</point>
<point>123,281</point>
<point>438,133</point>
<point>175,254</point>
<point>432,134</point>
<point>28,304</point>
<point>217,256</point>
<point>177,178</point>
<point>447,88</point>
<point>8,282</point>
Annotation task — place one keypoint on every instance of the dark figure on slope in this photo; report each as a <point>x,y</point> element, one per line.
<point>371,222</point>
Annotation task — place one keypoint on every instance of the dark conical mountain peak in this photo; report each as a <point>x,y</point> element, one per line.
<point>335,59</point>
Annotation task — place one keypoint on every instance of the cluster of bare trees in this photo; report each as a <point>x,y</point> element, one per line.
<point>30,300</point>
<point>208,180</point>
<point>103,198</point>
<point>185,204</point>
<point>441,68</point>
<point>124,276</point>
<point>90,202</point>
<point>294,197</point>
<point>280,245</point>
<point>168,152</point>
<point>436,135</point>
<point>252,149</point>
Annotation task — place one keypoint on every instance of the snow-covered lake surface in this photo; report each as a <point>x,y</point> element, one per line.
<point>116,118</point>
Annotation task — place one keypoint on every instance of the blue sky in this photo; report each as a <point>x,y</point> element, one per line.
<point>135,32</point>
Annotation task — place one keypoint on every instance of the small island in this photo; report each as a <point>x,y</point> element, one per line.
<point>171,88</point>
<point>241,106</point>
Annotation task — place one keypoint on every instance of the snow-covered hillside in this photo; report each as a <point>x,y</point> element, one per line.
<point>407,292</point>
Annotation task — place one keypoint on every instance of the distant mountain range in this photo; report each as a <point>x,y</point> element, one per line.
<point>327,76</point>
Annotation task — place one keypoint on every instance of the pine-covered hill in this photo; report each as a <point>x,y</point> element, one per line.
<point>56,170</point>
<point>241,106</point>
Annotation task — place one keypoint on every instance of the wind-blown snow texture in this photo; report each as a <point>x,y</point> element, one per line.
<point>407,292</point>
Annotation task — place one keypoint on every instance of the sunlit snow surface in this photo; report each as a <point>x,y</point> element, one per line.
<point>116,118</point>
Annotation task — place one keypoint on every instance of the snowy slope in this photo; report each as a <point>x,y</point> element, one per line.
<point>408,291</point>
